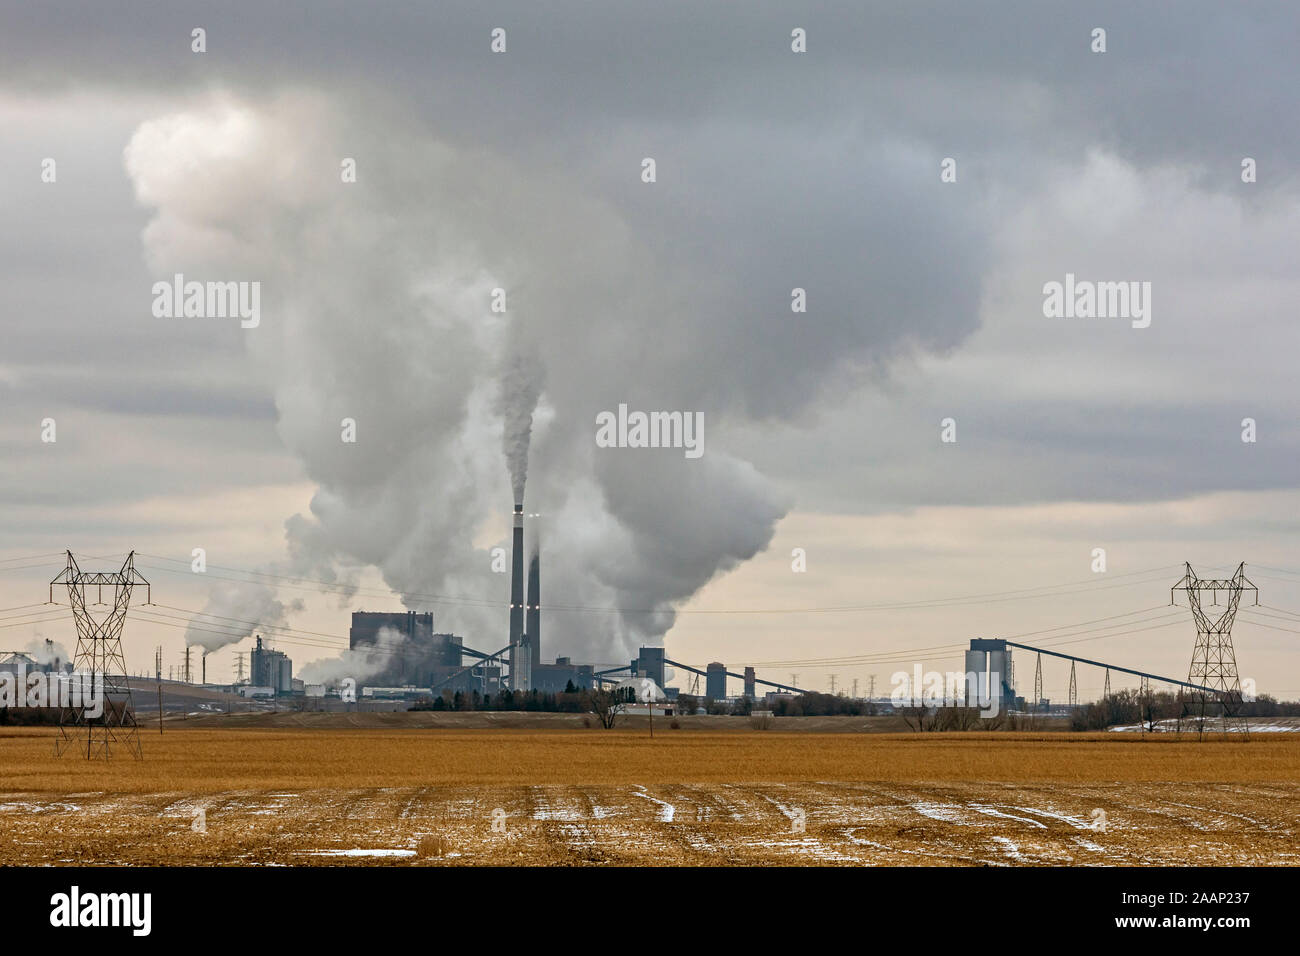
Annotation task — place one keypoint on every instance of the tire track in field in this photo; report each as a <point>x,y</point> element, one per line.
<point>565,832</point>
<point>788,833</point>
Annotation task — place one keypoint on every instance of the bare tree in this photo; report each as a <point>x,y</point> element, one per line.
<point>607,705</point>
<point>918,717</point>
<point>957,718</point>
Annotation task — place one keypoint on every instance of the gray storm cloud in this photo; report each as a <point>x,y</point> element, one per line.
<point>375,308</point>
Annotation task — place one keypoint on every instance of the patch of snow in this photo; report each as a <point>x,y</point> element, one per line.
<point>1009,847</point>
<point>668,810</point>
<point>943,812</point>
<point>990,811</point>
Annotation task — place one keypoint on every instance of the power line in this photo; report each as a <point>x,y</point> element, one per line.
<point>21,607</point>
<point>1272,627</point>
<point>991,597</point>
<point>60,616</point>
<point>909,654</point>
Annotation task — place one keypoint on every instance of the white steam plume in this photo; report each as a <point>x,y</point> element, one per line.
<point>360,663</point>
<point>236,610</point>
<point>521,387</point>
<point>375,300</point>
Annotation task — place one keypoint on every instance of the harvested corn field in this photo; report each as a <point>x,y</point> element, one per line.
<point>595,797</point>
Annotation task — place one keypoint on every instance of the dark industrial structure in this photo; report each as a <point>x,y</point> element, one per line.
<point>715,681</point>
<point>271,669</point>
<point>533,620</point>
<point>404,650</point>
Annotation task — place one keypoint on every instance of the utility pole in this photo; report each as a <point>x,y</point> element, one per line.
<point>794,681</point>
<point>239,666</point>
<point>871,686</point>
<point>855,688</point>
<point>833,676</point>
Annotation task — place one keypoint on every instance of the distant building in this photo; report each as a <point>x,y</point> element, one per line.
<point>12,661</point>
<point>715,681</point>
<point>646,697</point>
<point>406,648</point>
<point>271,669</point>
<point>554,678</point>
<point>650,664</point>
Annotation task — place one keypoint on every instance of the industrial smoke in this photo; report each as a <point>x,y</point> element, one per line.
<point>376,308</point>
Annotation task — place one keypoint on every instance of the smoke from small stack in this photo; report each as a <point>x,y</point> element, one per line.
<point>521,387</point>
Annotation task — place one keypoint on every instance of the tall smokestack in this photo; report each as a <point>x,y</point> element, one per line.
<point>534,625</point>
<point>517,598</point>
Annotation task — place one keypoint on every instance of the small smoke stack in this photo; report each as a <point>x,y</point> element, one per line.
<point>205,668</point>
<point>517,598</point>
<point>534,626</point>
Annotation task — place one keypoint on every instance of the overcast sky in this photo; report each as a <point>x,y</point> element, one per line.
<point>774,170</point>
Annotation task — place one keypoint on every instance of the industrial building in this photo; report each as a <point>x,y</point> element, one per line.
<point>715,683</point>
<point>14,662</point>
<point>416,655</point>
<point>271,669</point>
<point>989,678</point>
<point>421,658</point>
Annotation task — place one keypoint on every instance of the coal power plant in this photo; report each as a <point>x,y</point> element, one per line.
<point>405,656</point>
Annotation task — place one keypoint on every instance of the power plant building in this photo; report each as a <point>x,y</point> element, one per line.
<point>650,663</point>
<point>988,675</point>
<point>271,669</point>
<point>715,681</point>
<point>405,650</point>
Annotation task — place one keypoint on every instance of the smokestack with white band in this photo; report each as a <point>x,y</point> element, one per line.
<point>517,681</point>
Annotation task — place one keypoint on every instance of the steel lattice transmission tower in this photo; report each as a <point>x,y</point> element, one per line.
<point>1214,663</point>
<point>99,655</point>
